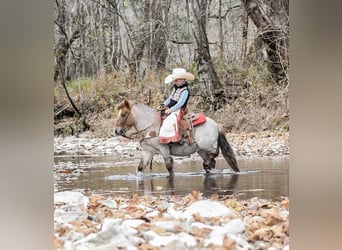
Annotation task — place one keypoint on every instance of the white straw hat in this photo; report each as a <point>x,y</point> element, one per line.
<point>179,73</point>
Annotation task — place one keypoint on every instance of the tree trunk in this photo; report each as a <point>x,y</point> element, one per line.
<point>62,47</point>
<point>207,75</point>
<point>141,41</point>
<point>159,32</point>
<point>115,41</point>
<point>244,20</point>
<point>273,37</point>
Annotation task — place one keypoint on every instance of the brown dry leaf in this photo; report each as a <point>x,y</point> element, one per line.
<point>64,171</point>
<point>91,211</point>
<point>107,212</point>
<point>146,246</point>
<point>285,227</point>
<point>135,198</point>
<point>232,203</point>
<point>264,234</point>
<point>200,232</point>
<point>88,223</point>
<point>94,200</point>
<point>228,244</point>
<point>177,229</point>
<point>158,230</point>
<point>75,223</point>
<point>197,195</point>
<point>198,218</point>
<point>62,230</point>
<point>272,216</point>
<point>285,203</point>
<point>57,243</point>
<point>135,212</point>
<point>89,230</point>
<point>144,227</point>
<point>214,197</point>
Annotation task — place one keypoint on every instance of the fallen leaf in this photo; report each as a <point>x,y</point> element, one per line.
<point>264,234</point>
<point>177,229</point>
<point>146,246</point>
<point>197,195</point>
<point>214,197</point>
<point>285,203</point>
<point>64,171</point>
<point>272,216</point>
<point>228,244</point>
<point>94,201</point>
<point>200,232</point>
<point>62,230</point>
<point>198,218</point>
<point>57,243</point>
<point>135,198</point>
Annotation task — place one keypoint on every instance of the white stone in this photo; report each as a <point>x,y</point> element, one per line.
<point>133,223</point>
<point>235,226</point>
<point>71,197</point>
<point>167,225</point>
<point>109,203</point>
<point>157,240</point>
<point>208,208</point>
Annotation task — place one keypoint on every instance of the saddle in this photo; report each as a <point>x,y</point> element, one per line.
<point>189,121</point>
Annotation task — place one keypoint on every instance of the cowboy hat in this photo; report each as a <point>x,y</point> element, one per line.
<point>179,73</point>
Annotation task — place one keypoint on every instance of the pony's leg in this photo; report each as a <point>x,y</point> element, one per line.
<point>204,155</point>
<point>208,159</point>
<point>169,165</point>
<point>144,161</point>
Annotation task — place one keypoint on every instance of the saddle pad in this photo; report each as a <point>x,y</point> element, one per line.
<point>200,120</point>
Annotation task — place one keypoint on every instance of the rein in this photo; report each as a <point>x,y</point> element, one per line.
<point>135,133</point>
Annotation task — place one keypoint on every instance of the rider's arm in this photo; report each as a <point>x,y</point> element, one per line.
<point>182,99</point>
<point>167,101</point>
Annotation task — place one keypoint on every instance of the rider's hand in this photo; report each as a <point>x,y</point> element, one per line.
<point>161,107</point>
<point>168,111</point>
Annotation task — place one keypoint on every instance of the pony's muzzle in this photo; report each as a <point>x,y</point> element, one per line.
<point>119,131</point>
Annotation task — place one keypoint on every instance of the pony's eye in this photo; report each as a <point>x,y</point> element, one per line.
<point>123,115</point>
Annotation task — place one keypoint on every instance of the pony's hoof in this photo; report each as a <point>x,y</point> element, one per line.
<point>206,167</point>
<point>140,174</point>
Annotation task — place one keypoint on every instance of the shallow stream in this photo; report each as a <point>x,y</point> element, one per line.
<point>265,177</point>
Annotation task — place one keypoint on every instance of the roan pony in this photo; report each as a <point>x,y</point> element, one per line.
<point>146,122</point>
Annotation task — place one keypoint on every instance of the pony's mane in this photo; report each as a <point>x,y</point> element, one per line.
<point>146,108</point>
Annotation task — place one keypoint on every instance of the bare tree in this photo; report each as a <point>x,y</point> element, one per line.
<point>62,47</point>
<point>159,33</point>
<point>274,37</point>
<point>208,79</point>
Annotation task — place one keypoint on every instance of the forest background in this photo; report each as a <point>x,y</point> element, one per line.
<point>108,50</point>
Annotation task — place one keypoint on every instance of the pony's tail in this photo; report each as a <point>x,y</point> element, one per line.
<point>227,152</point>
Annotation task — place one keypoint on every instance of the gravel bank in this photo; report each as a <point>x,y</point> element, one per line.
<point>189,222</point>
<point>244,144</point>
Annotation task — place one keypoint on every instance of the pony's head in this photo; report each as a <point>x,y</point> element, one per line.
<point>125,119</point>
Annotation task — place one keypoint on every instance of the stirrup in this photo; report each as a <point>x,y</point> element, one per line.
<point>182,141</point>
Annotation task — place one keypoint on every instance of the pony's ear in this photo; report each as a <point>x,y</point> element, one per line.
<point>128,104</point>
<point>124,104</point>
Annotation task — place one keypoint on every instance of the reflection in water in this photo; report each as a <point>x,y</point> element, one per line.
<point>210,185</point>
<point>208,188</point>
<point>260,177</point>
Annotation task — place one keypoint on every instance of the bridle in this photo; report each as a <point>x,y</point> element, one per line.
<point>135,133</point>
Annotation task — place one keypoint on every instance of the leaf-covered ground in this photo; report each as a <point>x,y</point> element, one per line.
<point>88,221</point>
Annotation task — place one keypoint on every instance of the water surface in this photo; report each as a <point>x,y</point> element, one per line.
<point>265,177</point>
